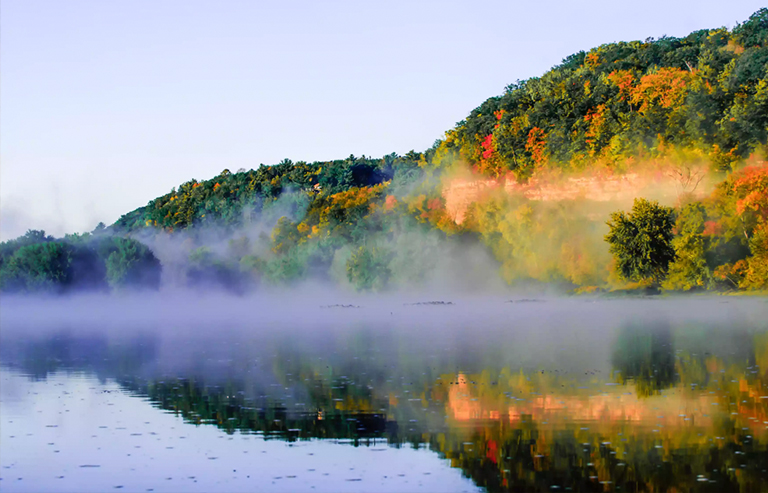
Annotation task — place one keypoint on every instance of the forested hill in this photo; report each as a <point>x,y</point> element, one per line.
<point>374,224</point>
<point>229,199</point>
<point>706,92</point>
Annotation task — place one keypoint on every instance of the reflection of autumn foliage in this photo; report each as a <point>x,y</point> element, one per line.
<point>615,406</point>
<point>524,432</point>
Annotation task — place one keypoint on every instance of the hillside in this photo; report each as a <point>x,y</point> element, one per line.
<point>522,187</point>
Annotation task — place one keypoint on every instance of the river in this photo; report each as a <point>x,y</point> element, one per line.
<point>574,394</point>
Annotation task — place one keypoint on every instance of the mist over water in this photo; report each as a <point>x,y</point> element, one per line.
<point>472,317</point>
<point>458,378</point>
<point>465,334</point>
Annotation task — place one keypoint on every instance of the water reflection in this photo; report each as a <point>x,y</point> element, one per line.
<point>653,405</point>
<point>645,355</point>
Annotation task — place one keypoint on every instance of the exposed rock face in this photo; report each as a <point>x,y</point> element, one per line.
<point>597,188</point>
<point>461,192</point>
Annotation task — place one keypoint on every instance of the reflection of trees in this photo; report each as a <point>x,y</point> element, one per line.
<point>645,354</point>
<point>537,457</point>
<point>107,358</point>
<point>543,441</point>
<point>227,407</point>
<point>509,430</point>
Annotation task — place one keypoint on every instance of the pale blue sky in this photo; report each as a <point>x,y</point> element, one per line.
<point>105,105</point>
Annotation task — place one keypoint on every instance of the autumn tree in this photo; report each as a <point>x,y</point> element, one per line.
<point>751,193</point>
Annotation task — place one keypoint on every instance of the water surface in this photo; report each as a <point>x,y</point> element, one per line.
<point>498,394</point>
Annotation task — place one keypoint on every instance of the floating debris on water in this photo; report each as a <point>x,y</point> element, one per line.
<point>438,303</point>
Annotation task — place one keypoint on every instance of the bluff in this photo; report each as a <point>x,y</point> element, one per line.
<point>522,187</point>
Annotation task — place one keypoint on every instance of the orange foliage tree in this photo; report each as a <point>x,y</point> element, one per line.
<point>624,80</point>
<point>751,192</point>
<point>666,88</point>
<point>596,119</point>
<point>536,144</point>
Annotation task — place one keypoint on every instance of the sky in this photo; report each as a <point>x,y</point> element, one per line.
<point>107,105</point>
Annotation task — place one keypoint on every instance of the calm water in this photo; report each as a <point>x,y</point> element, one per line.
<point>530,395</point>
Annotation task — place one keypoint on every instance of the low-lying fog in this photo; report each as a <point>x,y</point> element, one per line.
<point>459,334</point>
<point>303,310</point>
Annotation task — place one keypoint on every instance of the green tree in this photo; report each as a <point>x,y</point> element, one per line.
<point>207,270</point>
<point>368,269</point>
<point>38,267</point>
<point>285,235</point>
<point>641,241</point>
<point>131,264</point>
<point>690,270</point>
<point>31,237</point>
<point>753,32</point>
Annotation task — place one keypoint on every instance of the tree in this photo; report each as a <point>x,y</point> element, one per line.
<point>131,264</point>
<point>641,241</point>
<point>31,237</point>
<point>206,270</point>
<point>690,270</point>
<point>285,236</point>
<point>38,267</point>
<point>368,269</point>
<point>754,31</point>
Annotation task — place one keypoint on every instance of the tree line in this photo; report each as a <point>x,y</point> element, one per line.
<point>374,224</point>
<point>37,262</point>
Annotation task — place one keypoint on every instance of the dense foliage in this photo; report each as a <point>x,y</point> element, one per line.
<point>721,240</point>
<point>690,106</point>
<point>641,241</point>
<point>707,91</point>
<point>230,199</point>
<point>36,262</point>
